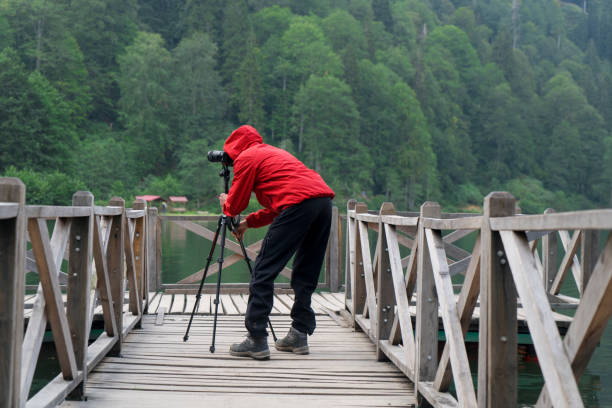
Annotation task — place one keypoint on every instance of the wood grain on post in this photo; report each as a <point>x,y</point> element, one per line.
<point>549,256</point>
<point>151,257</point>
<point>497,344</point>
<point>139,247</point>
<point>47,272</point>
<point>589,252</point>
<point>103,278</point>
<point>385,310</point>
<point>79,276</point>
<point>359,289</point>
<point>334,253</point>
<point>12,290</point>
<point>114,261</point>
<point>350,248</point>
<point>427,308</point>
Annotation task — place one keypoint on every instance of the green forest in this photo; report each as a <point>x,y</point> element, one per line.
<point>390,100</point>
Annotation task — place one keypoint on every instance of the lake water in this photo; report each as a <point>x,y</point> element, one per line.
<point>184,253</point>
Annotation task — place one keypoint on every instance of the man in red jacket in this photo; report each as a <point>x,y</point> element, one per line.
<point>297,203</point>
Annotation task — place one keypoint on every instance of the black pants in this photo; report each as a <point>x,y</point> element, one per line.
<point>302,229</point>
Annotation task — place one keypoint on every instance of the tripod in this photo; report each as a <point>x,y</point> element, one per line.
<point>223,225</point>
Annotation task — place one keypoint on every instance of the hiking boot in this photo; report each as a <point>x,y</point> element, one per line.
<point>295,341</point>
<point>255,347</point>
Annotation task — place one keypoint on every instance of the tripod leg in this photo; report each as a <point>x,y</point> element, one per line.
<point>223,227</point>
<point>248,261</point>
<point>199,295</point>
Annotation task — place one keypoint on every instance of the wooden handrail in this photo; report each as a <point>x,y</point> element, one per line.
<point>504,262</point>
<point>85,235</point>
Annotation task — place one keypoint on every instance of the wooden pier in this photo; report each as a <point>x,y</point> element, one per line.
<point>378,317</point>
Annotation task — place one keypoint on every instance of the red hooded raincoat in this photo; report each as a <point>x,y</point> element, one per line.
<point>278,179</point>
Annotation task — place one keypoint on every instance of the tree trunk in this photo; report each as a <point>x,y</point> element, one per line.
<point>515,23</point>
<point>38,41</point>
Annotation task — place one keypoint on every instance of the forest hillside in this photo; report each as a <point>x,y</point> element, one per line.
<point>397,100</point>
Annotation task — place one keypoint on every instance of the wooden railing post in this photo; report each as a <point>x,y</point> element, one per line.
<point>114,260</point>
<point>332,259</point>
<point>549,256</point>
<point>359,289</point>
<point>589,252</point>
<point>12,290</point>
<point>348,258</point>
<point>427,308</point>
<point>151,254</point>
<point>79,277</point>
<point>385,293</point>
<point>139,247</point>
<point>497,359</point>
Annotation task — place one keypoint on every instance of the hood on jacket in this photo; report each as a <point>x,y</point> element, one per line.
<point>240,140</point>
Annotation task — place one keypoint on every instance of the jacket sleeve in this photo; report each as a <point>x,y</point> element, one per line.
<point>242,186</point>
<point>261,218</point>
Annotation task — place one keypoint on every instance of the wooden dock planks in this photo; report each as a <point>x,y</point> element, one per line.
<point>158,369</point>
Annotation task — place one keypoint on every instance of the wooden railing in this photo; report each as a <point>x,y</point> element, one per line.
<point>104,247</point>
<point>398,295</point>
<point>194,224</point>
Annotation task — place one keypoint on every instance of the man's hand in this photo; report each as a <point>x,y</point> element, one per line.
<point>240,229</point>
<point>222,199</point>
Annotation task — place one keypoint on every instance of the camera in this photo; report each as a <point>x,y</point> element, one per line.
<point>216,156</point>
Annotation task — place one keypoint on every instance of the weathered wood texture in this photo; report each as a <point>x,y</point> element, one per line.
<point>158,369</point>
<point>503,272</point>
<point>12,253</point>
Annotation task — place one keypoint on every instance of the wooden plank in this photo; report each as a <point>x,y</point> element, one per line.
<point>466,303</point>
<point>401,298</point>
<point>452,327</point>
<point>358,296</point>
<point>569,260</point>
<point>241,304</point>
<point>590,219</point>
<point>161,311</point>
<point>115,251</point>
<point>79,278</point>
<point>589,323</point>
<point>103,279</point>
<point>426,353</point>
<point>497,345</point>
<point>349,259</point>
<point>205,304</point>
<point>589,251</point>
<point>107,210</point>
<point>139,248</point>
<point>151,246</point>
<point>335,248</point>
<point>285,299</point>
<point>130,270</point>
<point>165,302</point>
<point>228,305</point>
<point>189,217</point>
<point>39,237</point>
<point>8,210</point>
<point>12,289</point>
<point>368,273</point>
<point>549,256</point>
<point>50,212</point>
<point>55,391</point>
<point>190,303</point>
<point>135,213</point>
<point>556,369</point>
<point>385,311</point>
<point>178,304</point>
<point>466,223</point>
<point>398,220</point>
<point>365,217</point>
